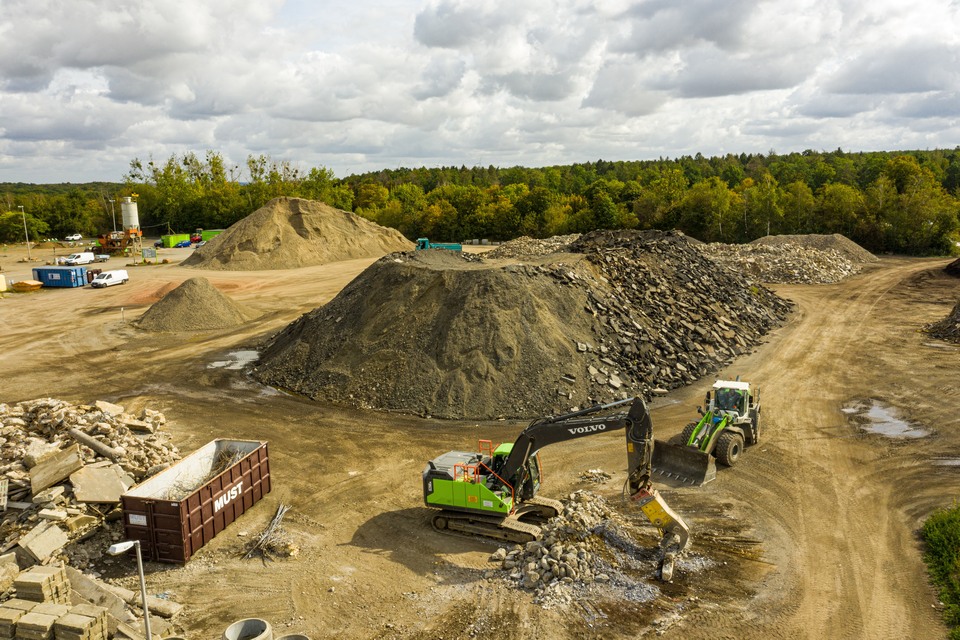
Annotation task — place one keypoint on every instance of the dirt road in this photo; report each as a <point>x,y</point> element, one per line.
<point>812,535</point>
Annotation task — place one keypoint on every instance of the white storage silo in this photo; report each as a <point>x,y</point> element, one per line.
<point>128,211</point>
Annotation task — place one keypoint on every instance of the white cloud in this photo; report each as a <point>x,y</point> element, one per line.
<point>86,86</point>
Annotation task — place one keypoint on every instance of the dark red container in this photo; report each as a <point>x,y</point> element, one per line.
<point>179,510</point>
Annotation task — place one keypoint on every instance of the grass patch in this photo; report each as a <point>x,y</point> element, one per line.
<point>941,533</point>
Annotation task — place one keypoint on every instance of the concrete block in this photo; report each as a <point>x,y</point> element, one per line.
<point>37,451</point>
<point>98,485</point>
<point>81,521</point>
<point>109,407</point>
<point>50,494</point>
<point>57,515</point>
<point>89,590</point>
<point>55,469</point>
<point>138,425</point>
<point>43,541</point>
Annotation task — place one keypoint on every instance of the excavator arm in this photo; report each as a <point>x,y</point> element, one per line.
<point>639,434</point>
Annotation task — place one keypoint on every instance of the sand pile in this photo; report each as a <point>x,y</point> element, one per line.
<point>458,335</point>
<point>949,327</point>
<point>288,233</point>
<point>846,246</point>
<point>196,305</point>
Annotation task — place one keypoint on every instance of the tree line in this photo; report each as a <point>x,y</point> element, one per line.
<point>902,202</point>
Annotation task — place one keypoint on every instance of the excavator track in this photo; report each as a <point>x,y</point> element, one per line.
<point>509,529</point>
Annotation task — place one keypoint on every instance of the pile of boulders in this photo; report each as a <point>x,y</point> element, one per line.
<point>783,263</point>
<point>584,549</point>
<point>525,246</point>
<point>66,467</point>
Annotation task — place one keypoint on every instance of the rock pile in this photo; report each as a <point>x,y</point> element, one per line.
<point>457,335</point>
<point>953,268</point>
<point>67,465</point>
<point>196,305</point>
<point>854,252</point>
<point>785,263</point>
<point>949,327</point>
<point>288,233</point>
<point>586,548</point>
<point>525,246</point>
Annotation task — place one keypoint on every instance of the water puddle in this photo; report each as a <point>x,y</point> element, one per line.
<point>947,462</point>
<point>237,360</point>
<point>875,417</point>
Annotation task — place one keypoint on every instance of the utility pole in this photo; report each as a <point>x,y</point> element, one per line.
<point>25,233</point>
<point>114,216</point>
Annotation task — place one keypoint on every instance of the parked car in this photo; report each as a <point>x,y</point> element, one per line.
<point>108,278</point>
<point>182,244</point>
<point>84,257</point>
<point>74,237</point>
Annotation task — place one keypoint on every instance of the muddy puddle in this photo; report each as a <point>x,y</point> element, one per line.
<point>236,360</point>
<point>876,417</point>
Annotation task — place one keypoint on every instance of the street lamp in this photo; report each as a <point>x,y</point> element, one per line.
<point>25,230</point>
<point>114,216</point>
<point>123,547</point>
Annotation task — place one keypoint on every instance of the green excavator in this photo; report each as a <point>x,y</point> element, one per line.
<point>493,492</point>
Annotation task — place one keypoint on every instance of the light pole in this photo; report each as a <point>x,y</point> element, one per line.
<point>114,216</point>
<point>27,235</point>
<point>122,547</point>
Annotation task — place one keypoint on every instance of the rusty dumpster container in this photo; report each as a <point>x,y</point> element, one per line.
<point>180,509</point>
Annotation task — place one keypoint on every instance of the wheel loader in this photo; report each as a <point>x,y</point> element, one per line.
<point>493,492</point>
<point>731,422</point>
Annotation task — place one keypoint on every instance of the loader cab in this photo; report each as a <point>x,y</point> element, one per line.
<point>526,482</point>
<point>730,396</point>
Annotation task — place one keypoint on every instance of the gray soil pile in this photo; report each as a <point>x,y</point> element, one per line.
<point>525,246</point>
<point>784,263</point>
<point>288,233</point>
<point>949,327</point>
<point>854,252</point>
<point>456,335</point>
<point>196,305</point>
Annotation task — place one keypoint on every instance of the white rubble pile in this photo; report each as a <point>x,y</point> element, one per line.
<point>783,263</point>
<point>525,246</point>
<point>583,551</point>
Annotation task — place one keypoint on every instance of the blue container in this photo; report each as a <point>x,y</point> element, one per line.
<point>61,276</point>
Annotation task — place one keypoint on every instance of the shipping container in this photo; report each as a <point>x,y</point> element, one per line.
<point>210,233</point>
<point>179,510</point>
<point>61,276</point>
<point>171,240</point>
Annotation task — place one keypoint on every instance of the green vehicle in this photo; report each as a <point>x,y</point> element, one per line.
<point>493,492</point>
<point>731,422</point>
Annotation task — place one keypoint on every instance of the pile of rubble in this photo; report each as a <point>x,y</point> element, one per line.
<point>525,246</point>
<point>64,468</point>
<point>783,263</point>
<point>838,242</point>
<point>584,550</point>
<point>948,328</point>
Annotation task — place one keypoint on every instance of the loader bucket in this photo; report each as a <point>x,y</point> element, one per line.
<point>683,463</point>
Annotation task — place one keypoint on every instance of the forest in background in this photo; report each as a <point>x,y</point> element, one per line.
<point>901,202</point>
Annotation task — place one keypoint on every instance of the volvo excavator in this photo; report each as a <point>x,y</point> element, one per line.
<point>493,492</point>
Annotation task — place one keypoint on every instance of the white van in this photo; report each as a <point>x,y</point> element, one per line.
<point>74,259</point>
<point>107,278</point>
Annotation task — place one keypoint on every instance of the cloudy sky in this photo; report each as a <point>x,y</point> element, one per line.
<point>357,85</point>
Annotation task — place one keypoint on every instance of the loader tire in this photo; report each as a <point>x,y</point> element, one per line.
<point>687,432</point>
<point>729,447</point>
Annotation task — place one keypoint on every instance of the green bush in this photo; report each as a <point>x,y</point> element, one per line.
<point>941,533</point>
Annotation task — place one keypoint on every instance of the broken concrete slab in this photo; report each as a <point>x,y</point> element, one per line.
<point>159,606</point>
<point>37,451</point>
<point>91,591</point>
<point>57,515</point>
<point>98,484</point>
<point>50,494</point>
<point>55,469</point>
<point>137,425</point>
<point>81,521</point>
<point>43,541</point>
<point>109,407</point>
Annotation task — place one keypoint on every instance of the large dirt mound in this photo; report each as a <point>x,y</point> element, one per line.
<point>836,241</point>
<point>288,233</point>
<point>457,335</point>
<point>953,268</point>
<point>196,305</point>
<point>949,327</point>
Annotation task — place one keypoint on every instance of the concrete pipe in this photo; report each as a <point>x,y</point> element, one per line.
<point>249,629</point>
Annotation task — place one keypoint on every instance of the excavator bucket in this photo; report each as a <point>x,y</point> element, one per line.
<point>680,462</point>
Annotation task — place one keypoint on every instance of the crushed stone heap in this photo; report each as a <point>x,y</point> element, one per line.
<point>949,327</point>
<point>196,305</point>
<point>785,263</point>
<point>525,246</point>
<point>836,241</point>
<point>288,233</point>
<point>460,336</point>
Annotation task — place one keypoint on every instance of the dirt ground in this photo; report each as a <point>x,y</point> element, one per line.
<point>812,535</point>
